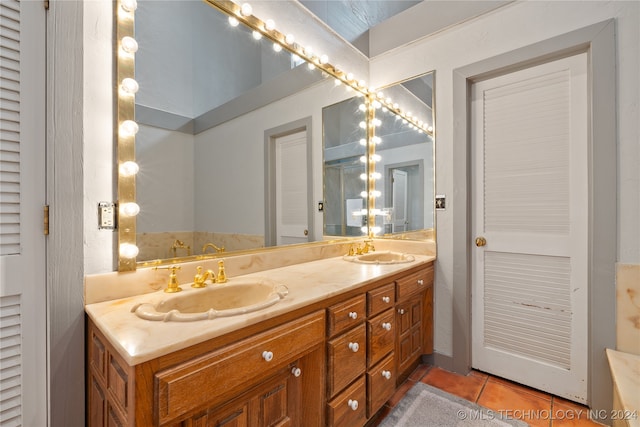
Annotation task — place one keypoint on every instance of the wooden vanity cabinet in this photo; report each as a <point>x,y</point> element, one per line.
<point>414,317</point>
<point>333,364</point>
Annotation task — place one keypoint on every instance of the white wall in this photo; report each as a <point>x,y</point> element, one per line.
<point>512,27</point>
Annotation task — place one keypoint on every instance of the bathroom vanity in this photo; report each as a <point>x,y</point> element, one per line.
<point>330,354</point>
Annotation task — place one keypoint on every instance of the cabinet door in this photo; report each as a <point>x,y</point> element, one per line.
<point>232,417</point>
<point>410,339</point>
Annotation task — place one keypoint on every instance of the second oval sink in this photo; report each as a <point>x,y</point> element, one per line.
<point>381,257</point>
<point>239,297</point>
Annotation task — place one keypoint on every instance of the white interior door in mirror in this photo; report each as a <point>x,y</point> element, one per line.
<point>399,197</point>
<point>291,189</point>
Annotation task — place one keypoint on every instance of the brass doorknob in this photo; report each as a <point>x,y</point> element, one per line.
<point>481,241</point>
<point>306,232</point>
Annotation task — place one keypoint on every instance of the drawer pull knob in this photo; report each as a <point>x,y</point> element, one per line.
<point>267,356</point>
<point>401,311</point>
<point>353,404</point>
<point>354,346</point>
<point>386,300</point>
<point>386,374</point>
<point>420,282</point>
<point>386,326</point>
<point>353,315</point>
<point>296,372</point>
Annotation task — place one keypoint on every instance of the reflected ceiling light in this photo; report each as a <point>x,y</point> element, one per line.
<point>129,45</point>
<point>233,21</point>
<point>129,128</point>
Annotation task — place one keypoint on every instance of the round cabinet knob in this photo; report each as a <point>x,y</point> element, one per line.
<point>296,372</point>
<point>353,404</point>
<point>480,241</point>
<point>386,326</point>
<point>386,374</point>
<point>354,346</point>
<point>353,315</point>
<point>401,311</point>
<point>267,356</point>
<point>386,300</point>
<point>420,282</point>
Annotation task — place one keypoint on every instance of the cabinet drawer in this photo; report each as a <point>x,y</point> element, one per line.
<point>213,377</point>
<point>381,384</point>
<point>346,314</point>
<point>349,407</point>
<point>381,299</point>
<point>415,282</point>
<point>347,357</point>
<point>381,334</point>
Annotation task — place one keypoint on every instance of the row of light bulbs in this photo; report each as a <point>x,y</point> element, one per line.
<point>128,87</point>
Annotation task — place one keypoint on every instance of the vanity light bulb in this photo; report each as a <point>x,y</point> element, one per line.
<point>362,83</point>
<point>363,176</point>
<point>396,105</point>
<point>270,25</point>
<point>256,35</point>
<point>385,109</point>
<point>129,168</point>
<point>363,194</point>
<point>376,175</point>
<point>376,104</point>
<point>430,129</point>
<point>337,82</point>
<point>363,159</point>
<point>289,39</point>
<point>308,51</point>
<point>277,47</point>
<point>233,21</point>
<point>130,209</point>
<point>377,122</point>
<point>363,125</point>
<point>376,193</point>
<point>246,9</point>
<point>404,121</point>
<point>311,66</point>
<point>376,140</point>
<point>129,44</point>
<point>324,59</point>
<point>129,128</point>
<point>129,5</point>
<point>364,229</point>
<point>362,107</point>
<point>128,250</point>
<point>363,141</point>
<point>376,157</point>
<point>349,76</point>
<point>130,86</point>
<point>380,95</point>
<point>375,230</point>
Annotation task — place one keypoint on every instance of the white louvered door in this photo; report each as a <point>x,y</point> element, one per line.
<point>23,373</point>
<point>529,201</point>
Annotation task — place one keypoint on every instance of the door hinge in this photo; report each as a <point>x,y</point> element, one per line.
<point>46,4</point>
<point>46,220</point>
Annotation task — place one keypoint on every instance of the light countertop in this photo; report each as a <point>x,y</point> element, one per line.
<point>139,340</point>
<point>625,371</point>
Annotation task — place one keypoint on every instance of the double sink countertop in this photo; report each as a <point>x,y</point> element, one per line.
<point>139,340</point>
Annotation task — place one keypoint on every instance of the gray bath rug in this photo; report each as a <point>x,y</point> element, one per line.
<point>426,406</point>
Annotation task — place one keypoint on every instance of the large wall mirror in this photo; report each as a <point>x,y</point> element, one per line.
<point>213,98</point>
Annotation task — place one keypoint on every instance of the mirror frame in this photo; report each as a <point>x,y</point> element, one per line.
<point>124,13</point>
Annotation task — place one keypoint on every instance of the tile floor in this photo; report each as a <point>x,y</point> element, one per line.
<point>517,401</point>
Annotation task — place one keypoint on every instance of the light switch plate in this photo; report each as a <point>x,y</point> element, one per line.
<point>441,202</point>
<point>106,216</point>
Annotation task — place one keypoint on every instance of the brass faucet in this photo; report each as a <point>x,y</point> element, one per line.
<point>200,279</point>
<point>211,245</point>
<point>179,244</point>
<point>368,246</point>
<point>173,285</point>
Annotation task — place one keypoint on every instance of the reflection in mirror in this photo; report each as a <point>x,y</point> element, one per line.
<point>344,141</point>
<point>406,163</point>
<point>208,96</point>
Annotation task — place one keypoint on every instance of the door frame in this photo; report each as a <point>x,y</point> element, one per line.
<point>270,136</point>
<point>598,40</point>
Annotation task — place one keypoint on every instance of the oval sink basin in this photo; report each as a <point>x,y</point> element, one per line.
<point>381,257</point>
<point>218,300</point>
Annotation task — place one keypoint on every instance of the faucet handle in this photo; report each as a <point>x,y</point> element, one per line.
<point>173,285</point>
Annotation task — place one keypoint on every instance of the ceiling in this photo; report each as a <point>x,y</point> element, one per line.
<point>354,20</point>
